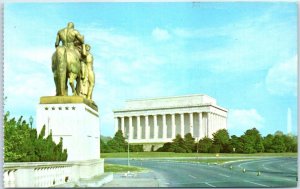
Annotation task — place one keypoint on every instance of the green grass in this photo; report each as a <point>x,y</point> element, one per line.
<point>122,168</point>
<point>173,155</point>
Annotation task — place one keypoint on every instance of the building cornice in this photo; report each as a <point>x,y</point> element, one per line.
<point>168,108</point>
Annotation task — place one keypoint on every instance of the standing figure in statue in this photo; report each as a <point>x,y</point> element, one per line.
<point>87,80</point>
<point>66,61</point>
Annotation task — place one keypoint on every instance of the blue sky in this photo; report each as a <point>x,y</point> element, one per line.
<point>242,54</point>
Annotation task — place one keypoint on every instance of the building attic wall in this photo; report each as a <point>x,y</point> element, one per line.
<point>169,102</point>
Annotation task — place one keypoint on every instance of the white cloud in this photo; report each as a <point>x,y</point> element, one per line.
<point>239,120</point>
<point>282,78</point>
<point>24,90</point>
<point>200,33</point>
<point>248,45</point>
<point>40,55</point>
<point>160,34</point>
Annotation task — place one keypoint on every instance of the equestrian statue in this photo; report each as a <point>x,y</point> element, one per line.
<point>72,61</point>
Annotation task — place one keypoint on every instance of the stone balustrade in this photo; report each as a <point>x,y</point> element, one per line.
<point>49,174</point>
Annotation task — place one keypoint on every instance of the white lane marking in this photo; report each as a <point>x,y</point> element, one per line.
<point>223,175</point>
<point>209,184</point>
<point>256,183</point>
<point>192,176</point>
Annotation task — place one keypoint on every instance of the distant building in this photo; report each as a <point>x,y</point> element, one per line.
<point>158,120</point>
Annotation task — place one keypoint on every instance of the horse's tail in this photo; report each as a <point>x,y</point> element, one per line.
<point>61,66</point>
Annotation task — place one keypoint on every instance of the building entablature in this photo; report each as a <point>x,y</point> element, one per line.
<point>179,110</point>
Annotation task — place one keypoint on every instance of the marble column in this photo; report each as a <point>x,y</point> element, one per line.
<point>208,124</point>
<point>223,122</point>
<point>217,123</point>
<point>164,126</point>
<point>147,130</point>
<point>191,124</point>
<point>123,125</point>
<point>200,126</point>
<point>220,122</point>
<point>138,129</point>
<point>155,129</point>
<point>214,128</point>
<point>173,126</point>
<point>130,133</point>
<point>182,125</point>
<point>211,126</point>
<point>116,124</point>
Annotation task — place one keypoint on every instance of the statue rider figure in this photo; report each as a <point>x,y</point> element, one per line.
<point>69,57</point>
<point>73,61</point>
<point>68,36</point>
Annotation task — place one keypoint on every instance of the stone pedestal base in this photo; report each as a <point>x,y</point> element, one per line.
<point>88,169</point>
<point>74,119</point>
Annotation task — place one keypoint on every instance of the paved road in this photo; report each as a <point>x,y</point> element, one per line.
<point>274,172</point>
<point>143,179</point>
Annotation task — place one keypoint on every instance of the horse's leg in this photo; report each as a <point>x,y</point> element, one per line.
<point>72,78</point>
<point>78,85</point>
<point>66,86</point>
<point>54,70</point>
<point>60,65</point>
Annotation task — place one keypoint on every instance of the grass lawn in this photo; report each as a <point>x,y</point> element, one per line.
<point>122,168</point>
<point>182,155</point>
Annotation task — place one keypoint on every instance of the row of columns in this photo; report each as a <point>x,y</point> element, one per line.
<point>213,123</point>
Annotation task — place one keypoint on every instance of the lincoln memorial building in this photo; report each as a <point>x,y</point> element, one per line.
<point>156,121</point>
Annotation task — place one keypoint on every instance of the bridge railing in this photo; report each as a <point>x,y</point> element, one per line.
<point>47,174</point>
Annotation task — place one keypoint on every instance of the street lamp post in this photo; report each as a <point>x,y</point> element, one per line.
<point>128,164</point>
<point>197,150</point>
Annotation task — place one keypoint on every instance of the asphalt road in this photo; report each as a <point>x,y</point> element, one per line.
<point>263,172</point>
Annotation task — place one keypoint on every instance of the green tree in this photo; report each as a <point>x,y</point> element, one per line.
<point>278,144</point>
<point>189,143</point>
<point>279,133</point>
<point>165,148</point>
<point>60,154</point>
<point>21,143</point>
<point>205,144</point>
<point>236,143</point>
<point>103,146</point>
<point>268,143</point>
<point>11,140</point>
<point>178,145</point>
<point>136,148</point>
<point>118,143</point>
<point>214,148</point>
<point>290,142</point>
<point>221,141</point>
<point>252,141</point>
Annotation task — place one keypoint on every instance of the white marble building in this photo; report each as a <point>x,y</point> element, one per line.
<point>158,120</point>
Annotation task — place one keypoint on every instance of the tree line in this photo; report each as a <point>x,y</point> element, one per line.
<point>118,144</point>
<point>23,144</point>
<point>250,142</point>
